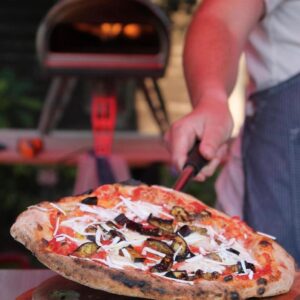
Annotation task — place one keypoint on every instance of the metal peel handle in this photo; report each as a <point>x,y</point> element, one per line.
<point>195,162</point>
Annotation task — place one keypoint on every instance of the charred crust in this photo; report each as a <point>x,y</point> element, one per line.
<point>44,242</point>
<point>234,296</point>
<point>261,291</point>
<point>228,278</point>
<point>262,281</point>
<point>264,243</point>
<point>130,282</point>
<point>39,227</point>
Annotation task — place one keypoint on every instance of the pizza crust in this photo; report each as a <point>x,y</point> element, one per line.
<point>32,228</point>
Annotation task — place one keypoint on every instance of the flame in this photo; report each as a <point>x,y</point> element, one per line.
<point>108,31</point>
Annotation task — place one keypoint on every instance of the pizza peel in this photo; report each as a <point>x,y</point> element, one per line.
<point>193,165</point>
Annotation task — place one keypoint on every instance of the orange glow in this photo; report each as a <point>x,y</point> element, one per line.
<point>132,31</point>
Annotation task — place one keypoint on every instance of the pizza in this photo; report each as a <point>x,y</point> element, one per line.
<point>153,242</point>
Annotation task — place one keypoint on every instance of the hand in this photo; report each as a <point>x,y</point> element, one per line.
<point>212,123</point>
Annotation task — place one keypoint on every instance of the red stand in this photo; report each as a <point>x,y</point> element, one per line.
<point>104,111</point>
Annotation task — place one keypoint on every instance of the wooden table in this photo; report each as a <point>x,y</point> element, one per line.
<point>15,282</point>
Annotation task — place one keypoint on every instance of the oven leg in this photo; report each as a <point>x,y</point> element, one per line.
<point>58,96</point>
<point>156,104</point>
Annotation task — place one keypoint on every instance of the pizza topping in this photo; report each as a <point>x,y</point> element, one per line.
<point>177,275</point>
<point>134,255</point>
<point>86,249</point>
<point>214,256</point>
<point>164,265</point>
<point>160,246</point>
<point>228,278</point>
<point>180,214</point>
<point>233,251</point>
<point>180,246</point>
<point>90,201</point>
<point>204,214</point>
<point>184,231</point>
<point>165,225</point>
<point>58,208</point>
<point>123,233</point>
<point>153,251</point>
<point>266,235</point>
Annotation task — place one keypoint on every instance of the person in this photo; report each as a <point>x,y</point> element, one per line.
<point>267,31</point>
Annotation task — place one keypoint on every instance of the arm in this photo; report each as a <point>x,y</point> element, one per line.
<point>214,43</point>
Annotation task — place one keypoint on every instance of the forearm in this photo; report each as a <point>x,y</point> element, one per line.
<point>213,47</point>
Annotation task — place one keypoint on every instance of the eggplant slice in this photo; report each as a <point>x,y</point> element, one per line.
<point>160,246</point>
<point>165,225</point>
<point>182,275</point>
<point>122,220</point>
<point>86,249</point>
<point>180,245</point>
<point>164,265</point>
<point>180,214</point>
<point>134,255</point>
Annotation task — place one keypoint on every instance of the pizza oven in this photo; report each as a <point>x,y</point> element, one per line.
<point>104,37</point>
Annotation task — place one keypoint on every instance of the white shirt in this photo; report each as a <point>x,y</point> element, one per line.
<point>273,50</point>
<point>273,55</point>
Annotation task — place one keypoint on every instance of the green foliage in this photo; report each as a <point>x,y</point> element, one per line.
<point>17,108</point>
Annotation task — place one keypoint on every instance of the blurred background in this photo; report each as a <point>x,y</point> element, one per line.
<point>44,161</point>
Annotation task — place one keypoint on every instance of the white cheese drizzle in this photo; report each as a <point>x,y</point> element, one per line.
<point>58,208</point>
<point>150,250</point>
<point>77,241</point>
<point>37,207</point>
<point>176,253</point>
<point>266,235</point>
<point>56,226</point>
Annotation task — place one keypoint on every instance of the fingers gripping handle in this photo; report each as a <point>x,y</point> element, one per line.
<point>195,159</point>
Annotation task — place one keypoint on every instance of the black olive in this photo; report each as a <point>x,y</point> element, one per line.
<point>90,200</point>
<point>262,281</point>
